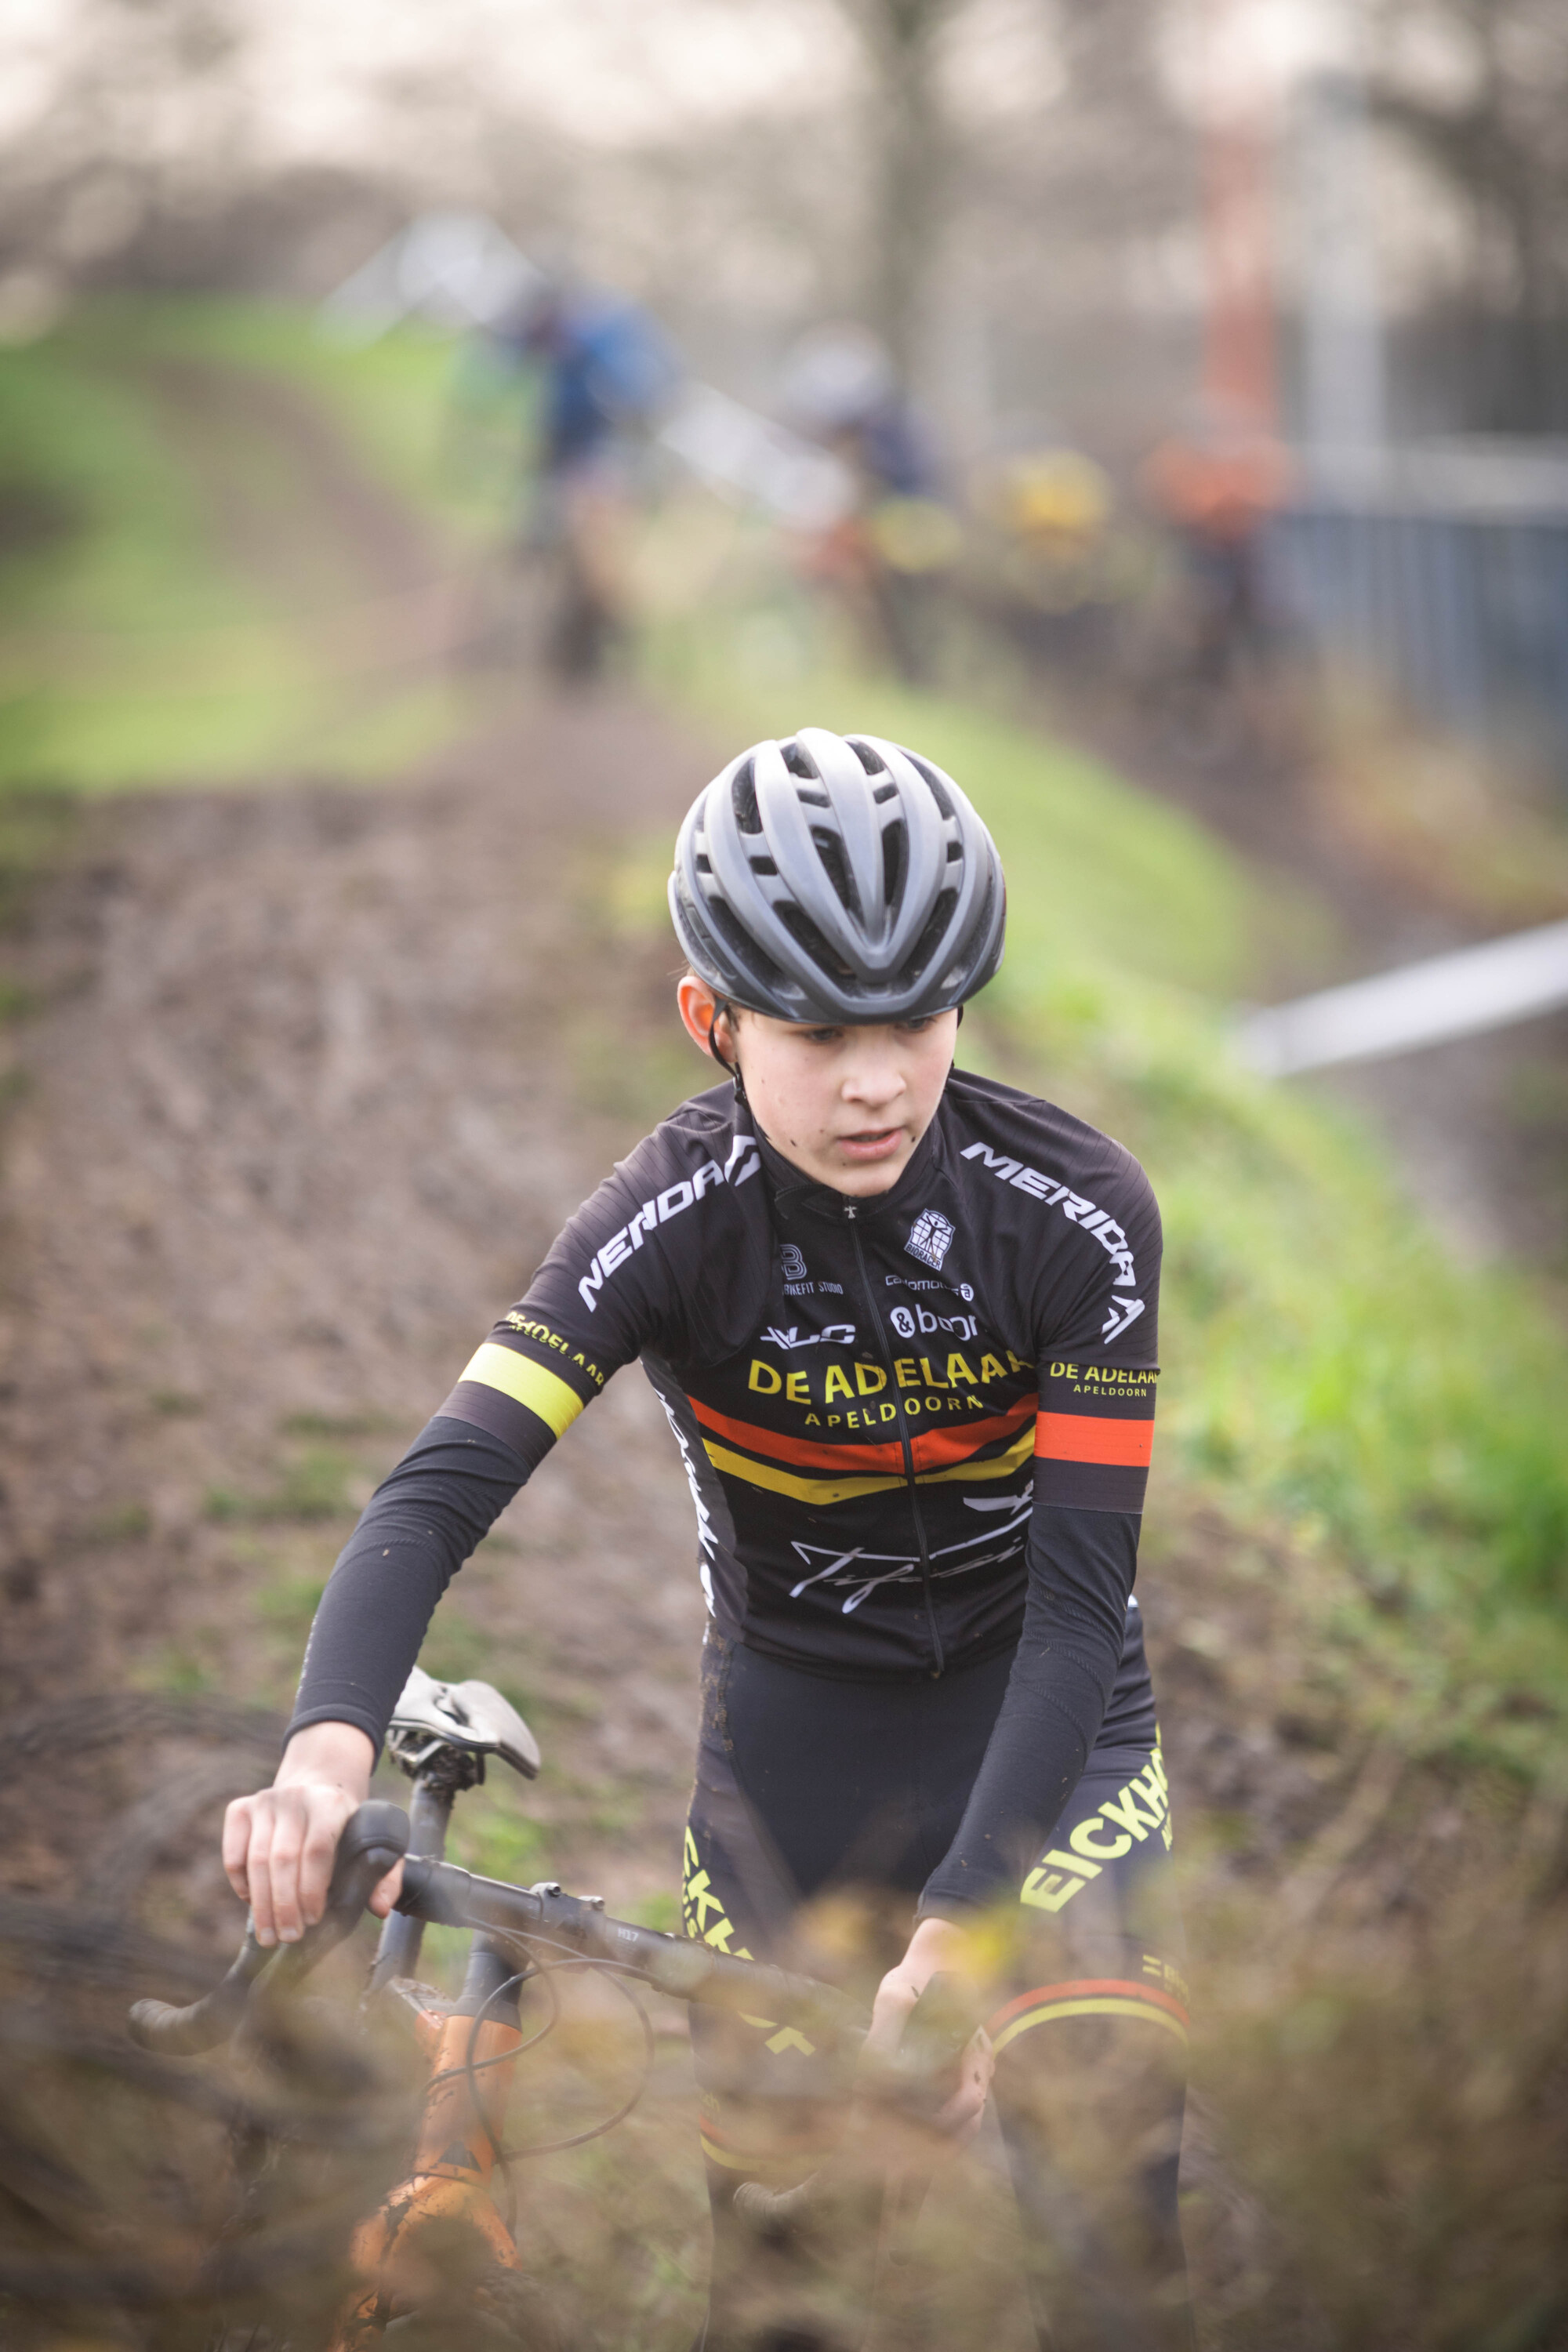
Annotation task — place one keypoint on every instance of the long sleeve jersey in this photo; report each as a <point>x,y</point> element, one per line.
<point>916,1429</point>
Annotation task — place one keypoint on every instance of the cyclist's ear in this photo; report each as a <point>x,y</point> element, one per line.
<point>701,1013</point>
<point>695,1001</point>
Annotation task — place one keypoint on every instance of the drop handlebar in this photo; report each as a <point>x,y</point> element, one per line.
<point>377,1837</point>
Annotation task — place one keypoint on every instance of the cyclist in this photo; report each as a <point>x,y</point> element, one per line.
<point>902,1321</point>
<point>886,557</point>
<point>605,373</point>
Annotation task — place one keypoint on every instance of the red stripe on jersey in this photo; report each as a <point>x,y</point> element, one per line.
<point>932,1449</point>
<point>809,1453</point>
<point>1087,1437</point>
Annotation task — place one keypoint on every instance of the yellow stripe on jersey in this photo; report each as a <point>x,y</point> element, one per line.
<point>784,1482</point>
<point>844,1490</point>
<point>556,1403</point>
<point>1002,1465</point>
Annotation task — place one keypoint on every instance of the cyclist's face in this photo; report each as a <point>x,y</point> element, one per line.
<point>847,1106</point>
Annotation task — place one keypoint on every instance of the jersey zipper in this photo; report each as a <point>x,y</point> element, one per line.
<point>852,1216</point>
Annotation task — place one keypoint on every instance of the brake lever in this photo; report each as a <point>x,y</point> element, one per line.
<point>374,1839</point>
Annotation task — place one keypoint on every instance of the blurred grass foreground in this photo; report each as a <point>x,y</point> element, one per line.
<point>1361,1512</point>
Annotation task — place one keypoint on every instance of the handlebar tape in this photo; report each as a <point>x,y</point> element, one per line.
<point>374,1839</point>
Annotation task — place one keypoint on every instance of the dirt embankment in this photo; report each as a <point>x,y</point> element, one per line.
<point>301,1118</point>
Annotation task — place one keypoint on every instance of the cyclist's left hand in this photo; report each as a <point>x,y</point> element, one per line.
<point>936,1948</point>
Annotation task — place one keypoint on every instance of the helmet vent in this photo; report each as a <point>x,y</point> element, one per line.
<point>764,866</point>
<point>931,937</point>
<point>814,800</point>
<point>801,928</point>
<point>954,852</point>
<point>887,791</point>
<point>895,844</point>
<point>704,863</point>
<point>872,761</point>
<point>797,761</point>
<point>743,798</point>
<point>830,849</point>
<point>938,791</point>
<point>751,961</point>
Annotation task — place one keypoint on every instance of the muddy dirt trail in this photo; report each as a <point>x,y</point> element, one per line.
<point>301,1121</point>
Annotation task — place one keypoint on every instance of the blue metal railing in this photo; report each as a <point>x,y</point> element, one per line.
<point>1445,569</point>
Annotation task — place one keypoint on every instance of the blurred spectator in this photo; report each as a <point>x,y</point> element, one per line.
<point>602,373</point>
<point>1214,495</point>
<point>886,556</point>
<point>1052,562</point>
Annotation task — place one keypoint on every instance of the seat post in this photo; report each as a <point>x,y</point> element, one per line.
<point>429,1814</point>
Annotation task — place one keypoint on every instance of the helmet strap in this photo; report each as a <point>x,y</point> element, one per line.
<point>732,1069</point>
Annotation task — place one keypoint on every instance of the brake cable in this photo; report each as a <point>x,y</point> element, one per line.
<point>472,2067</point>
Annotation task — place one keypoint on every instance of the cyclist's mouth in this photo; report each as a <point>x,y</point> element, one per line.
<point>871,1144</point>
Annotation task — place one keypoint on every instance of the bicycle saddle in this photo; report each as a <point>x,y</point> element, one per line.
<point>468,1716</point>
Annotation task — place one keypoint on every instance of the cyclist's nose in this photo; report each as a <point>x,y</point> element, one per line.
<point>874,1083</point>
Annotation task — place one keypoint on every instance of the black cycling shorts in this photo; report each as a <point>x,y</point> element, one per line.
<point>809,1785</point>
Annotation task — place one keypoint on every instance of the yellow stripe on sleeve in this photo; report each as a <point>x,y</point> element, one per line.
<point>556,1403</point>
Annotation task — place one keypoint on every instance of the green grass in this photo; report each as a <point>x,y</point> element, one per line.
<point>145,645</point>
<point>408,403</point>
<point>312,1487</point>
<point>100,607</point>
<point>369,1422</point>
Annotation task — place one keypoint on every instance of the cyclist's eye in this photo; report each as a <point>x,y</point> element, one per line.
<point>823,1036</point>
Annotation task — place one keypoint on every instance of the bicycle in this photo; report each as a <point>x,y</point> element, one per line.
<point>443,2220</point>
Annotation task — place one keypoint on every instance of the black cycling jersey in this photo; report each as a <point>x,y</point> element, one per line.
<point>916,1427</point>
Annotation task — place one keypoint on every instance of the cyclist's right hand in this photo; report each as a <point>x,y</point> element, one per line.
<point>278,1846</point>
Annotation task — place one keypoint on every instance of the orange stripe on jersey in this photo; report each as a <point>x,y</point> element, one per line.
<point>810,1455</point>
<point>932,1447</point>
<point>1089,1437</point>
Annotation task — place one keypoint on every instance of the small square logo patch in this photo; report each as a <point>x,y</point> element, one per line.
<point>931,1237</point>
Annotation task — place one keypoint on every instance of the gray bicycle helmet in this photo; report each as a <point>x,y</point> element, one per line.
<point>838,879</point>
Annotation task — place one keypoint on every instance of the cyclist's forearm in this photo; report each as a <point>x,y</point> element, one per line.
<point>1075,1622</point>
<point>418,1528</point>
